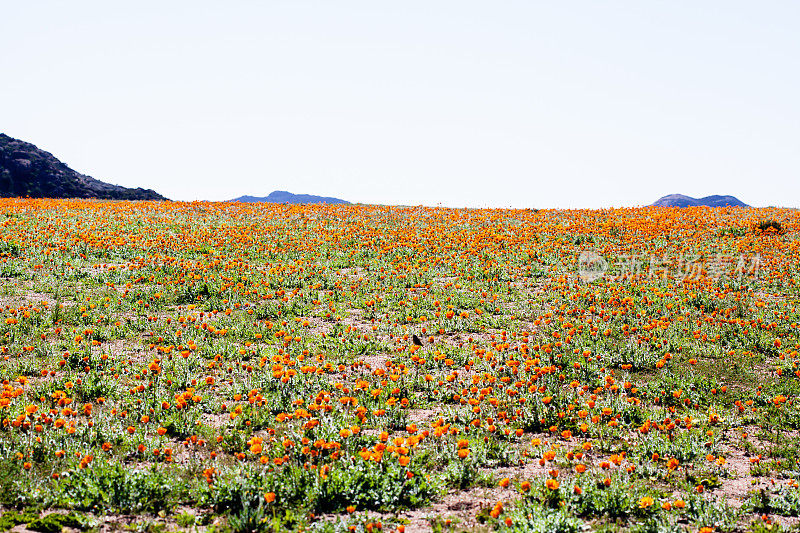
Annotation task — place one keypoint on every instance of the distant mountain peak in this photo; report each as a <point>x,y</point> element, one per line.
<point>285,197</point>
<point>26,170</point>
<point>681,200</point>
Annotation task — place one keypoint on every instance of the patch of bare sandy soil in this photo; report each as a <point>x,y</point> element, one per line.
<point>460,508</point>
<point>736,488</point>
<point>739,486</point>
<point>26,297</point>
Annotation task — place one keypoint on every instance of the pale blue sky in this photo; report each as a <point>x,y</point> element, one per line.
<point>499,104</point>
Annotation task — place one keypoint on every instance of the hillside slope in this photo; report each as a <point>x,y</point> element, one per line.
<point>26,170</point>
<point>284,197</point>
<point>680,200</point>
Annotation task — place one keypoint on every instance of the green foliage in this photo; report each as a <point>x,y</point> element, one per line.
<point>368,485</point>
<point>249,519</point>
<point>9,249</point>
<point>536,519</point>
<point>185,519</point>
<point>12,518</point>
<point>783,500</point>
<point>770,225</point>
<point>619,499</point>
<point>114,487</point>
<point>54,522</point>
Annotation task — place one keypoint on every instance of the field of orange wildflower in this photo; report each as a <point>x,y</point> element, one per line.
<point>260,367</point>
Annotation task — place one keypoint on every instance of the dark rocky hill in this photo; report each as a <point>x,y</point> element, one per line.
<point>680,200</point>
<point>27,171</point>
<point>283,197</point>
